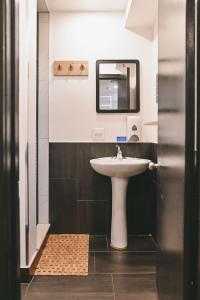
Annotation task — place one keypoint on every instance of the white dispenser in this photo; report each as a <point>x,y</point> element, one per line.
<point>133,129</point>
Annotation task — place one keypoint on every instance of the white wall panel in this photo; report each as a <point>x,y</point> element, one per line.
<point>92,36</point>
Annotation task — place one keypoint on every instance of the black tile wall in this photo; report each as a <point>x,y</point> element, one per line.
<point>98,217</point>
<point>141,204</point>
<point>80,198</point>
<point>63,208</point>
<point>63,160</point>
<point>92,186</point>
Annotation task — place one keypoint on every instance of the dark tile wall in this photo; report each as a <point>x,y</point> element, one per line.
<point>80,198</point>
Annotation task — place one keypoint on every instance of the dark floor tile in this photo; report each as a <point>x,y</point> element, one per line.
<point>91,265</point>
<point>124,262</point>
<point>24,288</point>
<point>135,287</point>
<point>71,288</point>
<point>70,296</point>
<point>139,244</point>
<point>134,283</point>
<point>98,243</point>
<point>137,296</point>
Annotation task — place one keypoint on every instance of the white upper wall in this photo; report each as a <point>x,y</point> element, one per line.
<point>87,5</point>
<point>92,36</point>
<point>150,112</point>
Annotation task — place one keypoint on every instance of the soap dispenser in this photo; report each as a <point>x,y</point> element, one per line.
<point>133,129</point>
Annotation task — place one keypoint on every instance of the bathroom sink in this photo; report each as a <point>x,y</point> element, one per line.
<point>119,167</point>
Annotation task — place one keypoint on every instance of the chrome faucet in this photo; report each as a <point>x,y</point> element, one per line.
<point>119,152</point>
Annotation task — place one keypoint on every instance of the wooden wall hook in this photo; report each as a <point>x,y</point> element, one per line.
<point>82,67</point>
<point>70,68</point>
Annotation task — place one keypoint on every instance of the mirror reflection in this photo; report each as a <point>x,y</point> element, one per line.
<point>118,86</point>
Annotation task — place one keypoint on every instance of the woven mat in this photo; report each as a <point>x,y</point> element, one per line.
<point>64,254</point>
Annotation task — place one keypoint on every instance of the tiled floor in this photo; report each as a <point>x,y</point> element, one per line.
<point>113,275</point>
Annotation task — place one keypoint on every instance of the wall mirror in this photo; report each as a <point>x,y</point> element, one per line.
<point>117,86</point>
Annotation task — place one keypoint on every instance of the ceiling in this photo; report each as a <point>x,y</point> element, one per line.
<point>87,5</point>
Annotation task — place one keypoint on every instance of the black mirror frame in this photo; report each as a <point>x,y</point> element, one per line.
<point>135,61</point>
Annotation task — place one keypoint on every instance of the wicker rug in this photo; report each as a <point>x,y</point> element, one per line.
<point>65,254</point>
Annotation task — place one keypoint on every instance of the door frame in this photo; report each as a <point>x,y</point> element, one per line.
<point>9,153</point>
<point>191,202</point>
<point>198,141</point>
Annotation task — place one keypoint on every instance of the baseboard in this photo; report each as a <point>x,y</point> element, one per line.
<point>26,274</point>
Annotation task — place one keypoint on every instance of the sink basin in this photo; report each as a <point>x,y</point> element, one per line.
<point>119,169</point>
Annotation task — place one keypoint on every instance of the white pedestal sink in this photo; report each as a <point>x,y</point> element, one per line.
<point>119,169</point>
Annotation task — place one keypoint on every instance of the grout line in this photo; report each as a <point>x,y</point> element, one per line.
<point>97,235</point>
<point>63,178</point>
<point>126,251</point>
<point>82,200</point>
<point>29,284</point>
<point>113,286</point>
<point>124,273</point>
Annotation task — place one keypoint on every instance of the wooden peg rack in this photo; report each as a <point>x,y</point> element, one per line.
<point>71,68</point>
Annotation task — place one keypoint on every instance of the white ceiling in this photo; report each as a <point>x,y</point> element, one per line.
<point>87,5</point>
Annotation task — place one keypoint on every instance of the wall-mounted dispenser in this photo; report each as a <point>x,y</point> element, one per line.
<point>133,129</point>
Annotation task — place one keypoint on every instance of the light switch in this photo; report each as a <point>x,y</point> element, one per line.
<point>98,134</point>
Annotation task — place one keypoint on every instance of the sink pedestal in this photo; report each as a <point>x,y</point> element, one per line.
<point>119,223</point>
<point>119,170</point>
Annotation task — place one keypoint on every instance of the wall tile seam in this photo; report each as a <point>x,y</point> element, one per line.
<point>64,178</point>
<point>103,142</point>
<point>101,200</point>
